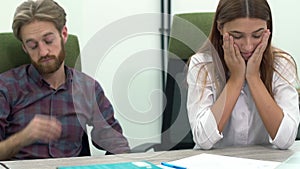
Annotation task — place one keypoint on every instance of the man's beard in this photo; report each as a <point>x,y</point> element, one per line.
<point>53,67</point>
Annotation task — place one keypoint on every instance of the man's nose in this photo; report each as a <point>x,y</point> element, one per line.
<point>43,49</point>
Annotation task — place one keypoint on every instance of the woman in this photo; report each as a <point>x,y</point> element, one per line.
<point>241,88</point>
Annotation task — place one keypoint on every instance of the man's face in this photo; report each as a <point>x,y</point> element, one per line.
<point>45,45</point>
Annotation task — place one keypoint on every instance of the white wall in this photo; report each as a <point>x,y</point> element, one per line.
<point>181,6</point>
<point>286,26</point>
<point>119,49</point>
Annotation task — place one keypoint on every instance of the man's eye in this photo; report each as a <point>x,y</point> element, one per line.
<point>49,42</point>
<point>32,45</point>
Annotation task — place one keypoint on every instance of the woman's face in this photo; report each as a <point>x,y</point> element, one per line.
<point>246,32</point>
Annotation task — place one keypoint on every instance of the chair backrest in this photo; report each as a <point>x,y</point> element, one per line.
<point>298,134</point>
<point>188,32</point>
<point>12,55</point>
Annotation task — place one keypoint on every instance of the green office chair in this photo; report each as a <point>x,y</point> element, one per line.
<point>187,34</point>
<point>298,134</point>
<point>12,55</point>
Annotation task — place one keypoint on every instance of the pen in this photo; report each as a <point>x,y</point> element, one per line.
<point>172,165</point>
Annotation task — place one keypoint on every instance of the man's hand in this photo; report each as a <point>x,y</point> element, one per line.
<point>41,128</point>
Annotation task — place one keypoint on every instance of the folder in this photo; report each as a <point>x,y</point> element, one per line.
<point>123,165</point>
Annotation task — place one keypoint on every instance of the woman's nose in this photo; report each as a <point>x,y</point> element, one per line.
<point>248,45</point>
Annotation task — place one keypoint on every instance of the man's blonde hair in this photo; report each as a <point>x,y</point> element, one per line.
<point>38,10</point>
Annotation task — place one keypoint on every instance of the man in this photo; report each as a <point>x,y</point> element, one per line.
<point>46,105</point>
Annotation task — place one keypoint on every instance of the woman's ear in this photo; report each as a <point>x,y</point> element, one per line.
<point>220,28</point>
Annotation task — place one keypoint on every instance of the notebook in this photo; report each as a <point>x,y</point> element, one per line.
<point>123,165</point>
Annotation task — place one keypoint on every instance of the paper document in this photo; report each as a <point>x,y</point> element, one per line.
<point>292,162</point>
<point>210,161</point>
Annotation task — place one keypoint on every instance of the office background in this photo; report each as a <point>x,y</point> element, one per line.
<point>121,47</point>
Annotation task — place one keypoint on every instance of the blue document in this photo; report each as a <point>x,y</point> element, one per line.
<point>124,165</point>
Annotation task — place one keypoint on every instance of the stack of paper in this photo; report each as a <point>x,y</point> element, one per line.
<point>210,161</point>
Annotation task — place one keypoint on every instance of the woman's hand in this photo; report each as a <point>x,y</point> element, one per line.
<point>256,58</point>
<point>233,59</point>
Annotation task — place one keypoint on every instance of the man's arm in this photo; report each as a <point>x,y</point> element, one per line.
<point>41,127</point>
<point>107,132</point>
<point>11,146</point>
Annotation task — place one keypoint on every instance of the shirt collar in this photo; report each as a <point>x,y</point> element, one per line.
<point>34,74</point>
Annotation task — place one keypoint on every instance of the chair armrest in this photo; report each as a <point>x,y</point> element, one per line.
<point>145,147</point>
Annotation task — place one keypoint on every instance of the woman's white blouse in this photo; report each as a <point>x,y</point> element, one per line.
<point>245,126</point>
